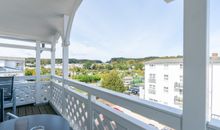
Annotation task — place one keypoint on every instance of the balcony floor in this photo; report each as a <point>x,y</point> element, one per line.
<point>33,110</point>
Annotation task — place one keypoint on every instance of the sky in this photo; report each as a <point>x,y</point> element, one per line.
<point>103,29</point>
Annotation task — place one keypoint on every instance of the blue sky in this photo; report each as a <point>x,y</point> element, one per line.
<point>128,28</point>
<point>103,29</point>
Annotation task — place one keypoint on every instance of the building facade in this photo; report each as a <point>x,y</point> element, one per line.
<point>127,81</point>
<point>164,83</point>
<point>11,66</point>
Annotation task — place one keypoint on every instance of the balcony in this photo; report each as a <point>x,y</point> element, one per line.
<point>79,103</point>
<point>152,80</point>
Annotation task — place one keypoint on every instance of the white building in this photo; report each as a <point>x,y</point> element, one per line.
<point>76,65</point>
<point>12,66</point>
<point>164,83</point>
<point>127,81</point>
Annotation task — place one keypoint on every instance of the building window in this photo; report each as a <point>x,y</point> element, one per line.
<point>152,78</point>
<point>181,66</point>
<point>152,89</point>
<point>152,65</point>
<point>178,101</point>
<point>165,89</point>
<point>166,77</point>
<point>153,100</point>
<point>166,66</point>
<point>178,87</point>
<point>181,78</point>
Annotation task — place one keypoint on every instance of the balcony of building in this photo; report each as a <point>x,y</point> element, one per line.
<point>42,23</point>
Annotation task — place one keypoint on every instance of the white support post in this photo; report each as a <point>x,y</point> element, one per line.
<point>65,60</point>
<point>65,46</point>
<point>196,59</point>
<point>53,59</point>
<point>91,98</point>
<point>38,49</point>
<point>65,69</point>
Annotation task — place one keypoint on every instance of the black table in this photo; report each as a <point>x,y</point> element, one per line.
<point>50,122</point>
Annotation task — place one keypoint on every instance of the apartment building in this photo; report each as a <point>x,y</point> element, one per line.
<point>164,83</point>
<point>12,66</point>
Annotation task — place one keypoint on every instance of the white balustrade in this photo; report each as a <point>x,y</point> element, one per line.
<point>77,109</point>
<point>80,110</point>
<point>25,90</point>
<point>77,102</point>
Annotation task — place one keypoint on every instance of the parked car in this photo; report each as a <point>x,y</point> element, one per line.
<point>134,90</point>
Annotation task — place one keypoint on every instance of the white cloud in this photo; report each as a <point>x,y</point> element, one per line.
<point>83,51</point>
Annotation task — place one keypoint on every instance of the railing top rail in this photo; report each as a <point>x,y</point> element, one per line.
<point>24,77</point>
<point>214,125</point>
<point>93,90</point>
<point>31,77</point>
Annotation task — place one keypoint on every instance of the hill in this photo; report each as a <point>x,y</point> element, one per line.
<point>122,59</point>
<point>59,61</point>
<point>112,61</point>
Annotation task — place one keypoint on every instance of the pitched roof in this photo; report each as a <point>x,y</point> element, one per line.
<point>165,61</point>
<point>12,58</point>
<point>175,61</point>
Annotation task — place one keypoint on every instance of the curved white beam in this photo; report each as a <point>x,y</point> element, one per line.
<point>67,30</point>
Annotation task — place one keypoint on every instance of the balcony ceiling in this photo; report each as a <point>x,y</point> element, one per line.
<point>35,20</point>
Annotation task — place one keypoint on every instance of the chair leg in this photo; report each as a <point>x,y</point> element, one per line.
<point>14,102</point>
<point>11,116</point>
<point>2,105</point>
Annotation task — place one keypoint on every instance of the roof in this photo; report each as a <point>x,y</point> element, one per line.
<point>12,58</point>
<point>165,61</point>
<point>35,20</point>
<point>9,70</point>
<point>174,61</point>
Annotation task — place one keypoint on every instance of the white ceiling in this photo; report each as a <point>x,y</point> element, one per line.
<point>34,20</point>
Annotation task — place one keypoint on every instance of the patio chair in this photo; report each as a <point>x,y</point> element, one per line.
<point>9,115</point>
<point>7,84</point>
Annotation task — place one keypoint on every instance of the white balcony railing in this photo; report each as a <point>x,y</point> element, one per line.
<point>82,110</point>
<point>78,103</point>
<point>27,91</point>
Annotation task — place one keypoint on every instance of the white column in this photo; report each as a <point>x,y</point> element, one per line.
<point>196,51</point>
<point>53,58</point>
<point>65,46</point>
<point>65,69</point>
<point>65,60</point>
<point>38,49</point>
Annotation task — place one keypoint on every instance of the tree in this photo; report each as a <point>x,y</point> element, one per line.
<point>30,72</point>
<point>113,82</point>
<point>87,65</point>
<point>45,71</point>
<point>108,67</point>
<point>139,66</point>
<point>88,78</point>
<point>58,71</point>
